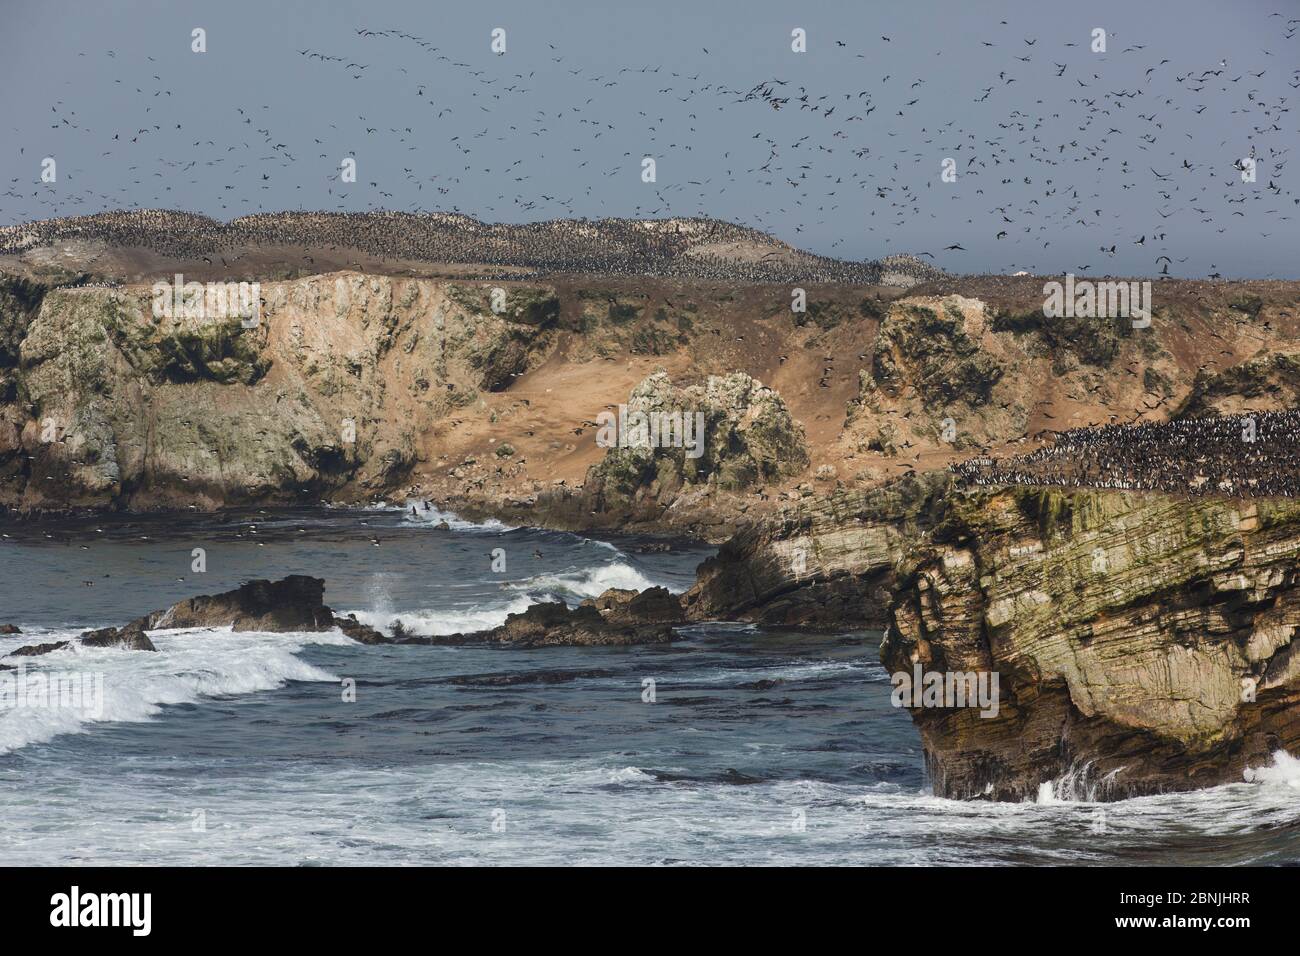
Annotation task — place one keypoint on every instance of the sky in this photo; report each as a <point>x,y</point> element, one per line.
<point>1066,159</point>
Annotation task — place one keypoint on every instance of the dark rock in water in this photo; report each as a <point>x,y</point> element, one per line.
<point>9,629</point>
<point>294,603</point>
<point>36,650</point>
<point>554,625</point>
<point>729,776</point>
<point>130,637</point>
<point>655,605</point>
<point>361,633</point>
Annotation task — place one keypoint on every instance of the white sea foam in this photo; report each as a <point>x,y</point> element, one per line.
<point>189,664</point>
<point>574,585</point>
<point>433,516</point>
<point>589,582</point>
<point>440,621</point>
<point>1285,771</point>
<point>794,671</point>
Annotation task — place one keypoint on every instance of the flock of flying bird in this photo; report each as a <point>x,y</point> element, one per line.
<point>470,134</point>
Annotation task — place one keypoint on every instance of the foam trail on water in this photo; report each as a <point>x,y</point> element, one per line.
<point>120,685</point>
<point>437,622</point>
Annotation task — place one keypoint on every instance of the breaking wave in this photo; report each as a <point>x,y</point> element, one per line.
<point>70,689</point>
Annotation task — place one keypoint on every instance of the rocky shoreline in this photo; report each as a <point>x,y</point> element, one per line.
<point>1141,642</point>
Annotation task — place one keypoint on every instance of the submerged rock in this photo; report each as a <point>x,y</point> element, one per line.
<point>10,629</point>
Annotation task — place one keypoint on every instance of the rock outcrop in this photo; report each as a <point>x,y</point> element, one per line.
<point>38,650</point>
<point>824,562</point>
<point>655,605</point>
<point>732,435</point>
<point>131,637</point>
<point>330,392</point>
<point>294,603</point>
<point>1265,383</point>
<point>557,625</point>
<point>1142,643</point>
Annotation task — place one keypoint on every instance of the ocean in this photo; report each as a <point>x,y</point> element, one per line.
<point>734,746</point>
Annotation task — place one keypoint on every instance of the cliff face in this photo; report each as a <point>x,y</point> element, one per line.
<point>330,392</point>
<point>354,385</point>
<point>1142,643</point>
<point>357,385</point>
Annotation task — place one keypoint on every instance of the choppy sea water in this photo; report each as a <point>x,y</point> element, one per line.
<point>759,747</point>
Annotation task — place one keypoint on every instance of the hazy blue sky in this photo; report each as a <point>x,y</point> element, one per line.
<point>1061,150</point>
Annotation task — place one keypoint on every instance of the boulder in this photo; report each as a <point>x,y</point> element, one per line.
<point>130,637</point>
<point>36,650</point>
<point>294,603</point>
<point>625,606</point>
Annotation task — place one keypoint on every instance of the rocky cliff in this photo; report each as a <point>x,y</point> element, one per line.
<point>486,395</point>
<point>827,561</point>
<point>1143,643</point>
<point>330,394</point>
